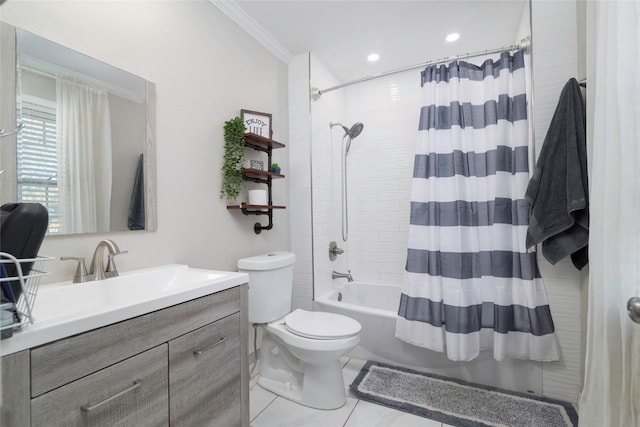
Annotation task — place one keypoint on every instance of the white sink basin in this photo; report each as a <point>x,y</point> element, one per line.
<point>65,309</point>
<point>75,299</point>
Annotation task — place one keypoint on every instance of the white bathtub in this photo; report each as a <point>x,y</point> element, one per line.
<point>375,306</point>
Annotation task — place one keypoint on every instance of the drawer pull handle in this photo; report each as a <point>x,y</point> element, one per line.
<point>89,408</point>
<point>200,351</point>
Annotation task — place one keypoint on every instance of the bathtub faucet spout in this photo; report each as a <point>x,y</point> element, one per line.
<point>336,275</point>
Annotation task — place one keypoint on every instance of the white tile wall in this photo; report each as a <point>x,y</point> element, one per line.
<point>380,169</point>
<point>555,60</point>
<point>326,149</point>
<point>299,180</point>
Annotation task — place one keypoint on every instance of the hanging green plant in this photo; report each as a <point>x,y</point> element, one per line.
<point>232,180</point>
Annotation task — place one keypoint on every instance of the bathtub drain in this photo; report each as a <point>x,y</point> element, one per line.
<point>339,296</point>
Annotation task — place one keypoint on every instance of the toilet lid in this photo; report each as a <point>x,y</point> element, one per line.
<point>321,325</point>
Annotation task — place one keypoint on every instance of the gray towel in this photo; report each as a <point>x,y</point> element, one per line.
<point>136,218</point>
<point>558,189</point>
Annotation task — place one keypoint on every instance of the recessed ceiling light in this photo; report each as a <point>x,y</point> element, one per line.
<point>373,57</point>
<point>453,37</point>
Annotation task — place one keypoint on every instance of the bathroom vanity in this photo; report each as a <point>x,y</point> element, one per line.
<point>181,365</point>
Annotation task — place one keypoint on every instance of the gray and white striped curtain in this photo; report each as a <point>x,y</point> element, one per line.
<point>472,285</point>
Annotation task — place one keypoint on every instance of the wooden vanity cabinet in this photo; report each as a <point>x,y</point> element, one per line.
<point>204,381</point>
<point>185,365</point>
<point>130,393</point>
<point>14,390</point>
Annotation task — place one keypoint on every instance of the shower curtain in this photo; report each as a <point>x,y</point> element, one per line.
<point>84,148</point>
<point>471,284</point>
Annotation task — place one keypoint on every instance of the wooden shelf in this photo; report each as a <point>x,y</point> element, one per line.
<point>255,207</point>
<point>261,141</point>
<point>265,145</point>
<point>257,173</point>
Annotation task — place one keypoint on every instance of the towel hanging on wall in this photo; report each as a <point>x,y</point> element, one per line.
<point>558,190</point>
<point>136,220</point>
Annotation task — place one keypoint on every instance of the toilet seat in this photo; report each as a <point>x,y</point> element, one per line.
<point>321,325</point>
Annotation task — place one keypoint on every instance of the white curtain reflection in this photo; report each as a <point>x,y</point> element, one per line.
<point>84,153</point>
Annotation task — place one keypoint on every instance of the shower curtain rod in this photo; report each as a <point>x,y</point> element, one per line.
<point>87,82</point>
<point>524,44</point>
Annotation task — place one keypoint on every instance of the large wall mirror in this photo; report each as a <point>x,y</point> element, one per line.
<point>86,149</point>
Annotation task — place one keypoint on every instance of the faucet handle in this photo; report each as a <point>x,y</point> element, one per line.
<point>111,270</point>
<point>334,251</point>
<point>81,274</point>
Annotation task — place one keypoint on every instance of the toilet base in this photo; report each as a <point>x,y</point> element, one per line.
<point>317,385</point>
<point>322,387</point>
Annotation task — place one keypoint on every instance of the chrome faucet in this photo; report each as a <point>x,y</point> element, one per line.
<point>97,270</point>
<point>336,275</point>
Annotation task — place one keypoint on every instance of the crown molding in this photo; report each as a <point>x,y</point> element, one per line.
<point>251,26</point>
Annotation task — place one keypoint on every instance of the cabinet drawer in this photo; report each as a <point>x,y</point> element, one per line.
<point>66,360</point>
<point>204,379</point>
<point>130,393</point>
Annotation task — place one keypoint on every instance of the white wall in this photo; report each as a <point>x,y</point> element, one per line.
<point>300,181</point>
<point>205,69</point>
<point>555,61</point>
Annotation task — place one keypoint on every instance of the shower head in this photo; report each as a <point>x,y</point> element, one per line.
<point>351,133</point>
<point>355,130</point>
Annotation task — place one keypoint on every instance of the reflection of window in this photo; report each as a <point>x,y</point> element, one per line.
<point>37,158</point>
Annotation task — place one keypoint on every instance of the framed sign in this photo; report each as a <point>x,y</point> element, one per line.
<point>256,122</point>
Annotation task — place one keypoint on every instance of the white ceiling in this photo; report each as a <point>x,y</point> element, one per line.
<point>403,33</point>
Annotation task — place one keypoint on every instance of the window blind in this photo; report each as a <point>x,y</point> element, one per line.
<point>37,160</point>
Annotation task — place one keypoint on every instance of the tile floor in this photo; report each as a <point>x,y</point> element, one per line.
<point>270,410</point>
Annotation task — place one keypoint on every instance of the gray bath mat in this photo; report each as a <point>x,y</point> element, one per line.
<point>456,402</point>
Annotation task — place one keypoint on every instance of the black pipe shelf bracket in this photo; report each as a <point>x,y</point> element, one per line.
<point>253,179</point>
<point>257,147</point>
<point>264,145</point>
<point>257,227</point>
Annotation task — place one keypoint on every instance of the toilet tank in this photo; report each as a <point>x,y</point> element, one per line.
<point>270,285</point>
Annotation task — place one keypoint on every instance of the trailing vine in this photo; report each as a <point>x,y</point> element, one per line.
<point>232,181</point>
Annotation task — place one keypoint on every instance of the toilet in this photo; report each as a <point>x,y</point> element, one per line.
<point>300,351</point>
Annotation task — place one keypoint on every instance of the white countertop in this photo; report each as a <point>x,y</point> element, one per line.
<point>66,309</point>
